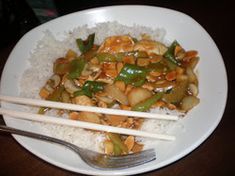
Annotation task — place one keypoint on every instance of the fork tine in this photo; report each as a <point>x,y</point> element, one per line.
<point>131,160</point>
<point>106,162</point>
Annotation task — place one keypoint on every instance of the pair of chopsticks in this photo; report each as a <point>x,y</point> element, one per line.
<point>81,124</point>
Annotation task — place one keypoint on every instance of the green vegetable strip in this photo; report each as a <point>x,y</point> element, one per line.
<point>56,95</point>
<point>117,151</point>
<point>89,88</point>
<point>140,54</point>
<point>86,45</point>
<point>132,74</point>
<point>169,54</point>
<point>118,144</point>
<point>177,93</point>
<point>106,57</point>
<point>76,67</point>
<point>146,105</point>
<point>42,110</point>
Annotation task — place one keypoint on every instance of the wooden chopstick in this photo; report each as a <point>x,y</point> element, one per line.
<point>68,106</point>
<point>86,125</point>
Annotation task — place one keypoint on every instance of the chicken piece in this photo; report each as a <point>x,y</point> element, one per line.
<point>116,44</point>
<point>150,46</point>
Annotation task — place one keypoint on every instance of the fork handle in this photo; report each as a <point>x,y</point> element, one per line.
<point>7,129</point>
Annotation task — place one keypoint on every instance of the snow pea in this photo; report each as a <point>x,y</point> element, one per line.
<point>132,74</point>
<point>169,54</point>
<point>119,146</point>
<point>106,57</point>
<point>89,88</point>
<point>75,67</point>
<point>146,105</point>
<point>87,44</point>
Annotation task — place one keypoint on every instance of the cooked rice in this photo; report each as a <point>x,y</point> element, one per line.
<point>41,68</point>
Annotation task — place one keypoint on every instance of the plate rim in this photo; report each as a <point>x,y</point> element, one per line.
<point>149,168</point>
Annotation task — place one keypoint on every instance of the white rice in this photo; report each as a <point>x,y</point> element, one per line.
<point>41,64</point>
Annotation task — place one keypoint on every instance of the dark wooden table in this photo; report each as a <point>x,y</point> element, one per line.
<point>214,157</point>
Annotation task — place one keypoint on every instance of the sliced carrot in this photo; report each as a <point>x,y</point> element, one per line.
<point>111,73</point>
<point>74,115</point>
<point>129,59</point>
<point>44,93</point>
<point>109,65</point>
<point>171,76</point>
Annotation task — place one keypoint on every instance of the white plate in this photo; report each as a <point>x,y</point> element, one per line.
<point>198,124</point>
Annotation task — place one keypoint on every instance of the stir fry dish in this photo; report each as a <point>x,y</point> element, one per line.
<point>123,73</point>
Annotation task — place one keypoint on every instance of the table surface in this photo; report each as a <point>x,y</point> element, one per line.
<point>214,157</point>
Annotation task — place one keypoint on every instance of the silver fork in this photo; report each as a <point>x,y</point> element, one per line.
<point>94,159</point>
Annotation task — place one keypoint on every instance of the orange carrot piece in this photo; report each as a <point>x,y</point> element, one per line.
<point>171,76</point>
<point>44,93</point>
